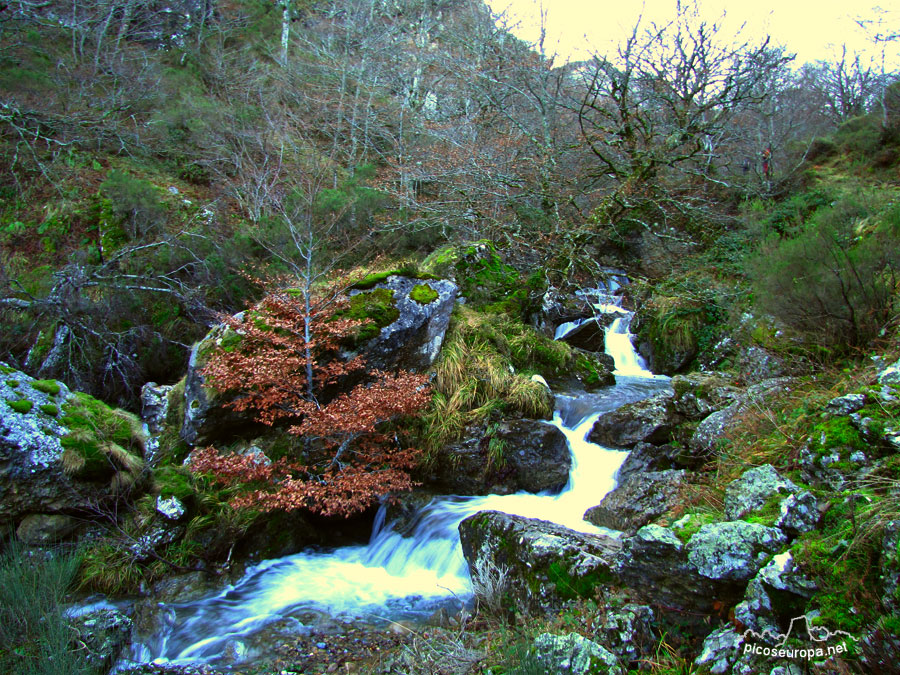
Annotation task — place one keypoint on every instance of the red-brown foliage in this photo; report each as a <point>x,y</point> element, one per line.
<point>269,369</point>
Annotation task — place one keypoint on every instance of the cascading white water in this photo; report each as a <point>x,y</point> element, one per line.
<point>398,576</point>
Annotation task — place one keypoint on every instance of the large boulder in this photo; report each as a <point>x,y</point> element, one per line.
<point>573,654</point>
<point>590,335</point>
<point>733,550</point>
<point>651,420</point>
<point>514,455</point>
<point>413,341</point>
<point>547,563</point>
<point>753,489</point>
<point>638,500</point>
<point>49,468</point>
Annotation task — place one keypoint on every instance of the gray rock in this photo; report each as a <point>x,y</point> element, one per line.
<point>798,514</point>
<point>171,508</point>
<point>155,405</point>
<point>42,529</point>
<point>414,340</point>
<point>101,635</point>
<point>535,457</point>
<point>775,595</point>
<point>573,653</point>
<point>890,567</point>
<point>844,405</point>
<point>733,551</point>
<point>720,650</point>
<point>817,469</point>
<point>627,632</point>
<point>756,364</point>
<point>890,375</point>
<point>547,563</point>
<point>653,564</point>
<point>650,421</point>
<point>698,395</point>
<point>753,489</point>
<point>638,500</point>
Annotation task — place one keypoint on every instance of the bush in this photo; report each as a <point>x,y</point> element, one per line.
<point>831,281</point>
<point>34,637</point>
<point>134,205</point>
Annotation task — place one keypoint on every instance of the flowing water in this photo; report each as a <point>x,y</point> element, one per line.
<point>401,577</point>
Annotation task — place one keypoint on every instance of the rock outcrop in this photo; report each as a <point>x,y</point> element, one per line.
<point>636,501</point>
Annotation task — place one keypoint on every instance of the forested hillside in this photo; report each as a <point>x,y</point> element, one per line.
<point>168,166</point>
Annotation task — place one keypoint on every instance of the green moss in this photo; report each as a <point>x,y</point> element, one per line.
<point>49,409</point>
<point>6,370</point>
<point>173,481</point>
<point>231,340</point>
<point>101,439</point>
<point>570,587</point>
<point>22,406</point>
<point>837,432</point>
<point>376,308</point>
<point>50,387</point>
<point>423,294</point>
<point>12,383</point>
<point>768,513</point>
<point>687,526</point>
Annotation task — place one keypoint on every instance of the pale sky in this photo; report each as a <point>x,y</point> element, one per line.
<point>810,28</point>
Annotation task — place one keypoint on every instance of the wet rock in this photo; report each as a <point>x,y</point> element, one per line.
<point>649,421</point>
<point>101,636</point>
<point>845,405</point>
<point>517,455</point>
<point>157,536</point>
<point>733,551</point>
<point>646,457</point>
<point>557,308</point>
<point>590,335</point>
<point>547,563</point>
<point>720,650</point>
<point>42,529</point>
<point>753,489</point>
<point>155,405</point>
<point>573,653</point>
<point>638,500</point>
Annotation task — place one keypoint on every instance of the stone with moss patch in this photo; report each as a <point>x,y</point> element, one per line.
<point>49,387</point>
<point>423,294</point>
<point>49,409</point>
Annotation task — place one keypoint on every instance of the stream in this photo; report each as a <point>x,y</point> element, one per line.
<point>398,577</point>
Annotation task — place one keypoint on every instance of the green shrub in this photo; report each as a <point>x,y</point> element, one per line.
<point>34,636</point>
<point>829,281</point>
<point>134,205</point>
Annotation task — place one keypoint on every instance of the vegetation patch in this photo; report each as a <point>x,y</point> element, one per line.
<point>49,409</point>
<point>22,406</point>
<point>50,387</point>
<point>423,294</point>
<point>376,308</point>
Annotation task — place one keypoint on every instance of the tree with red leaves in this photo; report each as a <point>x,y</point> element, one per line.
<point>285,367</point>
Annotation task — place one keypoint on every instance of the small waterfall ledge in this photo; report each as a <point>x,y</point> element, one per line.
<point>400,577</point>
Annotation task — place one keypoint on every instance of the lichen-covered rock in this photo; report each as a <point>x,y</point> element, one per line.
<point>720,650</point>
<point>155,405</point>
<point>753,489</point>
<point>798,514</point>
<point>650,421</point>
<point>774,596</point>
<point>573,654</point>
<point>47,467</point>
<point>548,563</point>
<point>890,567</point>
<point>653,563</point>
<point>756,364</point>
<point>710,431</point>
<point>413,341</point>
<point>733,551</point>
<point>170,508</point>
<point>698,395</point>
<point>636,501</point>
<point>43,529</point>
<point>627,632</point>
<point>101,635</point>
<point>649,457</point>
<point>524,454</point>
<point>845,405</point>
<point>890,375</point>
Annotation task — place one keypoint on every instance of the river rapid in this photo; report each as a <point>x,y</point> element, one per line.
<point>398,577</point>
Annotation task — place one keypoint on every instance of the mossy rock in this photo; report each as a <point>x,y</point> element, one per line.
<point>423,294</point>
<point>101,440</point>
<point>49,387</point>
<point>376,308</point>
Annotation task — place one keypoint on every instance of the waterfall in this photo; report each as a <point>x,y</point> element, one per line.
<point>396,577</point>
